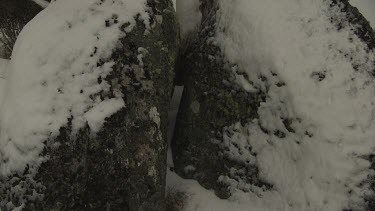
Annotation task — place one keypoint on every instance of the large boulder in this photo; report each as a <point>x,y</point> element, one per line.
<point>210,102</point>
<point>102,146</point>
<point>245,130</point>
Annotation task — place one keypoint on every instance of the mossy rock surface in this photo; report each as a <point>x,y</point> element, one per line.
<point>123,166</point>
<point>211,101</point>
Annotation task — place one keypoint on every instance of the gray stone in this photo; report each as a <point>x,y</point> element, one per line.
<point>209,103</point>
<point>208,81</point>
<point>123,166</point>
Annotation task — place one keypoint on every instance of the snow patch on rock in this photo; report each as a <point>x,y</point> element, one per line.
<point>155,116</point>
<point>316,129</point>
<point>96,116</point>
<point>57,73</point>
<point>317,124</point>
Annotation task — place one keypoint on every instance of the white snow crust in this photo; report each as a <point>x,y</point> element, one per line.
<point>54,75</point>
<point>317,78</point>
<point>96,116</point>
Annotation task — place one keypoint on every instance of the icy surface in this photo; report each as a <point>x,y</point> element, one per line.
<point>57,72</point>
<point>316,127</point>
<point>174,4</point>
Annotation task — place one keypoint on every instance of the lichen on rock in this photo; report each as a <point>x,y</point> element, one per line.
<point>211,101</point>
<point>116,160</point>
<point>255,137</point>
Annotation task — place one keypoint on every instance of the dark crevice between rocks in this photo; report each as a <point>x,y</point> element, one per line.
<point>208,105</point>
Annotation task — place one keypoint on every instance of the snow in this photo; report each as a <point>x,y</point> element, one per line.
<point>200,199</point>
<point>54,75</point>
<point>174,4</point>
<point>189,15</point>
<point>155,116</point>
<point>96,116</point>
<point>319,80</point>
<point>289,42</point>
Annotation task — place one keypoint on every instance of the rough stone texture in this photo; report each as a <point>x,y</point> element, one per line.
<point>123,166</point>
<point>364,30</point>
<point>211,101</point>
<point>367,35</point>
<point>14,15</point>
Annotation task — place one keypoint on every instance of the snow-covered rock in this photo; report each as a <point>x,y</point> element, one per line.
<point>83,120</point>
<point>278,109</point>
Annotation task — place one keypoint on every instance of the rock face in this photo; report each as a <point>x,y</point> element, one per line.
<point>364,30</point>
<point>367,34</point>
<point>14,15</point>
<point>123,166</point>
<point>212,101</point>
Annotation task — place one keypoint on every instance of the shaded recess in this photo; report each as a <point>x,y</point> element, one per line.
<point>14,15</point>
